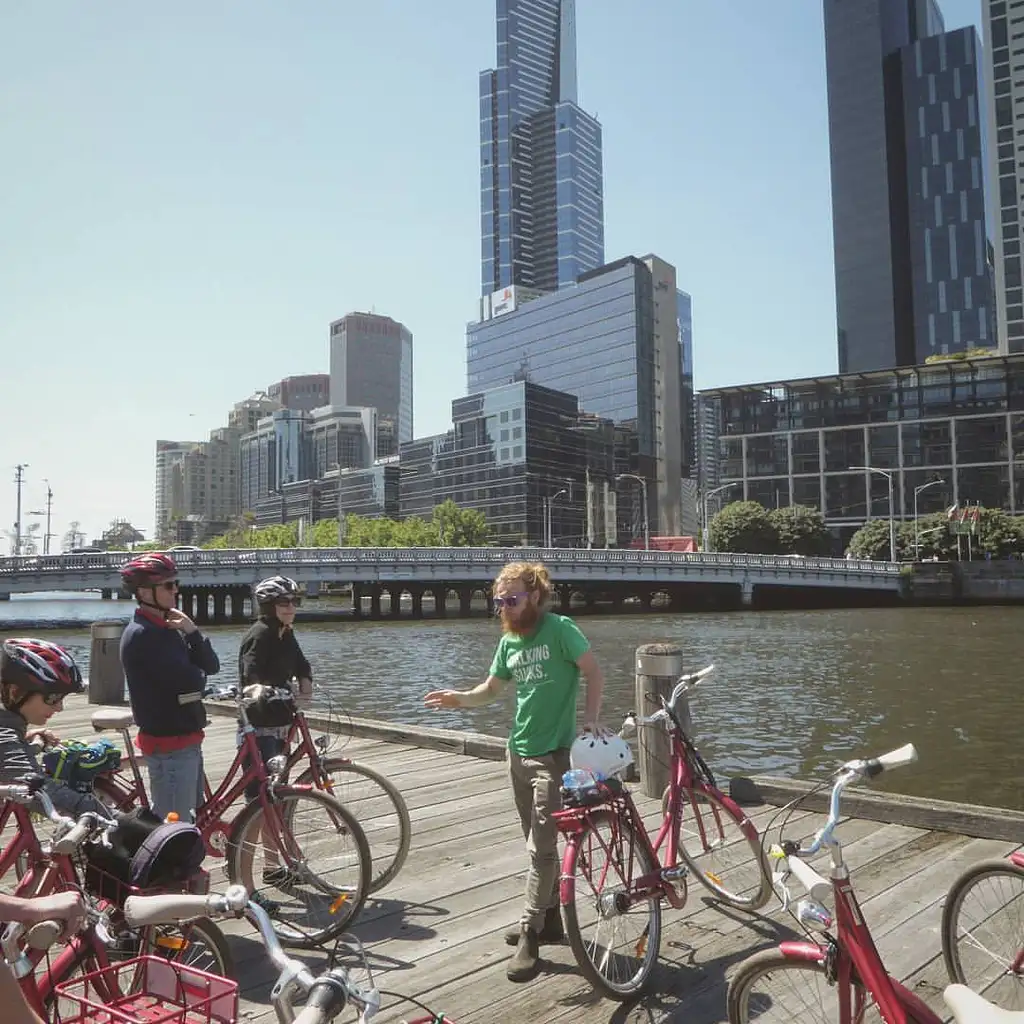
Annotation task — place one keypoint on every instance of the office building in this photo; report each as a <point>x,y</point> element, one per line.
<point>371,366</point>
<point>539,470</point>
<point>291,448</point>
<point>620,340</point>
<point>797,442</point>
<point>912,256</point>
<point>1004,74</point>
<point>305,392</point>
<point>372,492</point>
<point>541,187</point>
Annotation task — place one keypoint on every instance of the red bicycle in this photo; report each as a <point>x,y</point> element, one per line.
<point>838,975</point>
<point>372,798</point>
<point>60,865</point>
<point>614,878</point>
<point>297,841</point>
<point>983,930</point>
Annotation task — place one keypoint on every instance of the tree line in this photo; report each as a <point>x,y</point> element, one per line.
<point>747,527</point>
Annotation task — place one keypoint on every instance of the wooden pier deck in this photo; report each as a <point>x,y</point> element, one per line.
<point>436,932</point>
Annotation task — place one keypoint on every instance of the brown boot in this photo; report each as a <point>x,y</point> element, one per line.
<point>524,963</point>
<point>552,934</point>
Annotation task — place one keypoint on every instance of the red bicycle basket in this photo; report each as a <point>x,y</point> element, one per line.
<point>149,990</point>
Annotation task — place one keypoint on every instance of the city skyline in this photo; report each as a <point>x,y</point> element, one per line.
<point>190,237</point>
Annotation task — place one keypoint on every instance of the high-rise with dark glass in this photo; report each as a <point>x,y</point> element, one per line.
<point>913,271</point>
<point>541,190</point>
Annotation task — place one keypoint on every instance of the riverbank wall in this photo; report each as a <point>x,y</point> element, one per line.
<point>978,583</point>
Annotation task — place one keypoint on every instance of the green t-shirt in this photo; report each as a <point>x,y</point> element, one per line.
<point>547,681</point>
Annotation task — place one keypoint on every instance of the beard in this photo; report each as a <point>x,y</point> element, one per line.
<point>523,623</point>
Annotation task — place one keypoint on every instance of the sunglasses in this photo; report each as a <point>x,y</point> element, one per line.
<point>511,601</point>
<point>168,585</point>
<point>52,700</point>
<point>284,602</point>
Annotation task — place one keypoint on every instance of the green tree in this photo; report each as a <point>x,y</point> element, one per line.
<point>459,527</point>
<point>801,531</point>
<point>872,541</point>
<point>744,527</point>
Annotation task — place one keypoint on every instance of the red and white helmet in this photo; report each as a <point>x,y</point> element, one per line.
<point>37,666</point>
<point>148,570</point>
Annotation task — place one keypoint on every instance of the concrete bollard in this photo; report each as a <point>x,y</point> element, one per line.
<point>106,676</point>
<point>658,668</point>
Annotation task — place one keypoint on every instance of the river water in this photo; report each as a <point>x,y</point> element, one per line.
<point>795,692</point>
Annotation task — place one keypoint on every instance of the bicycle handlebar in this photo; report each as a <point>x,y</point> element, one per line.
<point>333,988</point>
<point>851,772</point>
<point>685,684</point>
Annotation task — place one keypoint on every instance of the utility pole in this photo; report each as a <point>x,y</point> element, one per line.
<point>19,478</point>
<point>49,512</point>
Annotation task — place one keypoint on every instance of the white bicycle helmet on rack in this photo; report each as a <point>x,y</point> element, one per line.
<point>603,756</point>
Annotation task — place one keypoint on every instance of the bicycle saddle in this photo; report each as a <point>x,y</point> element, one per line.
<point>970,1008</point>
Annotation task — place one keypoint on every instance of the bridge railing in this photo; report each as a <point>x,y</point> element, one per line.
<point>280,558</point>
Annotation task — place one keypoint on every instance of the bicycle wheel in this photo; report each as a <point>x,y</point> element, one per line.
<point>721,855</point>
<point>199,944</point>
<point>606,860</point>
<point>983,932</point>
<point>379,808</point>
<point>771,987</point>
<point>310,864</point>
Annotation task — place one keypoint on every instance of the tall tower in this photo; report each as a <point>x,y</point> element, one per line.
<point>541,187</point>
<point>908,203</point>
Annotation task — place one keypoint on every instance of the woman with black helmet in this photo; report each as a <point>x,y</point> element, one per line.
<point>268,660</point>
<point>35,677</point>
<point>166,660</point>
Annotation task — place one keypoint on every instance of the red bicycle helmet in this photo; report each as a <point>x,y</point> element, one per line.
<point>148,570</point>
<point>37,666</point>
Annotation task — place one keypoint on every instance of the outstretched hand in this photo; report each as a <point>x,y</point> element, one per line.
<point>443,699</point>
<point>597,729</point>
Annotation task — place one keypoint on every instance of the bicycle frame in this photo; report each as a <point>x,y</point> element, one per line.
<point>684,780</point>
<point>852,955</point>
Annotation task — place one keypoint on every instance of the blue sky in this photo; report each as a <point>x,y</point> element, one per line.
<point>191,192</point>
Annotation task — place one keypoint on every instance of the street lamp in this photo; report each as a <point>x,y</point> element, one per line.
<point>711,494</point>
<point>642,481</point>
<point>47,513</point>
<point>917,535</point>
<point>548,539</point>
<point>887,473</point>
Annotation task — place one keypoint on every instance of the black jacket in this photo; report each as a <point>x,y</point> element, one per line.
<point>266,656</point>
<point>17,758</point>
<point>166,673</point>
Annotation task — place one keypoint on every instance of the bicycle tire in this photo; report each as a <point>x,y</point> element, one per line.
<point>345,902</point>
<point>651,936</point>
<point>1011,998</point>
<point>383,868</point>
<point>773,962</point>
<point>755,889</point>
<point>201,930</point>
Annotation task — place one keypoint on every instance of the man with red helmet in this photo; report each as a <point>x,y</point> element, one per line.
<point>166,661</point>
<point>35,677</point>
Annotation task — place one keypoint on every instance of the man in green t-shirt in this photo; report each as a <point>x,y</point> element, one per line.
<point>544,654</point>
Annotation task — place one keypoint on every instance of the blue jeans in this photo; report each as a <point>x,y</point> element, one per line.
<point>176,782</point>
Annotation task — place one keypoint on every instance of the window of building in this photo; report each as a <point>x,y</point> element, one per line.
<point>806,452</point>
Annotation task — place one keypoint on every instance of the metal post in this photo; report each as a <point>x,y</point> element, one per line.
<point>888,474</point>
<point>49,509</point>
<point>658,668</point>
<point>647,520</point>
<point>917,535</point>
<point>707,529</point>
<point>19,476</point>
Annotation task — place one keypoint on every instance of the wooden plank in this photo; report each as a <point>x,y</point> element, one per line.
<point>948,816</point>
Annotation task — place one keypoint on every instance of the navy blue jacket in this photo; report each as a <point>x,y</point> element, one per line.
<point>166,673</point>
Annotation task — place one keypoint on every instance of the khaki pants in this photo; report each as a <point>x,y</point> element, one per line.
<point>536,785</point>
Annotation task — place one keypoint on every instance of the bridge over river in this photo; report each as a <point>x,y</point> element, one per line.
<point>216,584</point>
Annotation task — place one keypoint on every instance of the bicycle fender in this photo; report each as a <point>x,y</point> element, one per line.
<point>567,880</point>
<point>1017,857</point>
<point>810,952</point>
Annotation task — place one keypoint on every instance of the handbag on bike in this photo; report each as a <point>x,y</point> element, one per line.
<point>269,707</point>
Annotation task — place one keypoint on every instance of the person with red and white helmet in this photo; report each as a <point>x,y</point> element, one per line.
<point>166,660</point>
<point>35,677</point>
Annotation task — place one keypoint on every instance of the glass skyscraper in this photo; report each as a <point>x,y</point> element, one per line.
<point>541,189</point>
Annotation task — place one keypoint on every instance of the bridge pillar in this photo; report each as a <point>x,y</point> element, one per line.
<point>186,601</point>
<point>395,594</point>
<point>106,593</point>
<point>220,605</point>
<point>440,593</point>
<point>357,601</point>
<point>238,596</point>
<point>202,607</point>
<point>5,597</point>
<point>375,612</point>
<point>466,601</point>
<point>416,593</point>
<point>313,589</point>
<point>747,594</point>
